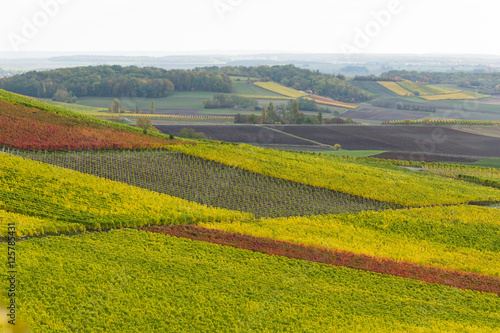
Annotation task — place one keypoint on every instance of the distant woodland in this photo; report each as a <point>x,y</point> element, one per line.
<point>150,82</point>
<point>115,81</point>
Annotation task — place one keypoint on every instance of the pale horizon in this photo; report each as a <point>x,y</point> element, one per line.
<point>403,27</point>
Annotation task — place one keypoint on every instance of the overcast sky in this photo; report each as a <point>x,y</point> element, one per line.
<point>251,26</point>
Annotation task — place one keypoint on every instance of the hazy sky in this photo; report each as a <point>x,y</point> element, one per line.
<point>187,26</point>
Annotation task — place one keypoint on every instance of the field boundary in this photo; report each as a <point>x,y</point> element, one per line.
<point>447,277</point>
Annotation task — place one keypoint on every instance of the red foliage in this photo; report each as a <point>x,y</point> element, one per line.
<point>458,279</point>
<point>29,128</point>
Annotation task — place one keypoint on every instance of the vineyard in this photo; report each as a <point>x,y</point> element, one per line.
<point>347,175</point>
<point>209,183</point>
<point>331,256</point>
<point>331,102</point>
<point>279,89</point>
<point>483,175</point>
<point>177,117</point>
<point>136,279</point>
<point>429,93</point>
<point>424,90</point>
<point>120,231</point>
<point>49,192</point>
<point>441,122</point>
<point>461,238</point>
<point>30,128</point>
<point>19,100</point>
<point>455,96</point>
<point>395,88</point>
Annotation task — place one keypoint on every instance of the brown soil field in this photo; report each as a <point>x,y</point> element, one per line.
<point>426,139</point>
<point>239,133</point>
<point>492,131</point>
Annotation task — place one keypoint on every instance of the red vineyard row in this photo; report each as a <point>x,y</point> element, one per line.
<point>462,280</point>
<point>32,129</point>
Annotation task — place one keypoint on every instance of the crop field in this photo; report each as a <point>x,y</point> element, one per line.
<point>412,139</point>
<point>359,177</point>
<point>210,183</point>
<point>244,88</point>
<point>266,97</point>
<point>182,117</point>
<point>460,238</point>
<point>379,114</point>
<point>425,90</point>
<point>239,133</point>
<point>294,250</point>
<point>374,88</point>
<point>30,128</point>
<point>201,235</point>
<point>426,157</point>
<point>331,102</point>
<point>177,101</point>
<point>395,88</point>
<point>88,110</point>
<point>442,122</point>
<point>455,96</point>
<point>49,192</point>
<point>279,89</point>
<point>482,174</point>
<point>131,280</point>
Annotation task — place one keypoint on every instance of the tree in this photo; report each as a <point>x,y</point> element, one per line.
<point>62,95</point>
<point>239,118</point>
<point>136,109</point>
<point>295,111</point>
<point>264,115</point>
<point>337,146</point>
<point>283,111</point>
<point>320,115</point>
<point>115,107</point>
<point>252,119</point>
<point>190,133</point>
<point>152,109</point>
<point>144,123</point>
<point>272,114</point>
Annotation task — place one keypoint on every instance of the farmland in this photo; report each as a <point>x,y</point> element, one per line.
<point>423,90</point>
<point>412,139</point>
<point>30,128</point>
<point>210,183</point>
<point>240,133</point>
<point>460,238</point>
<point>200,235</point>
<point>49,192</point>
<point>376,181</point>
<point>454,96</point>
<point>130,278</point>
<point>279,89</point>
<point>395,88</point>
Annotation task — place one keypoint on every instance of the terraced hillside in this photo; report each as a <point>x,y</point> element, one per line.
<point>91,254</point>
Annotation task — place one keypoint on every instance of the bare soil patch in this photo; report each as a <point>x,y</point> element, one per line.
<point>239,133</point>
<point>421,139</point>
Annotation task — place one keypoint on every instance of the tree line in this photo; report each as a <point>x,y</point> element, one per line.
<point>115,81</point>
<point>328,85</point>
<point>486,83</point>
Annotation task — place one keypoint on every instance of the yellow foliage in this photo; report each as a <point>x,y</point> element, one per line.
<point>279,89</point>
